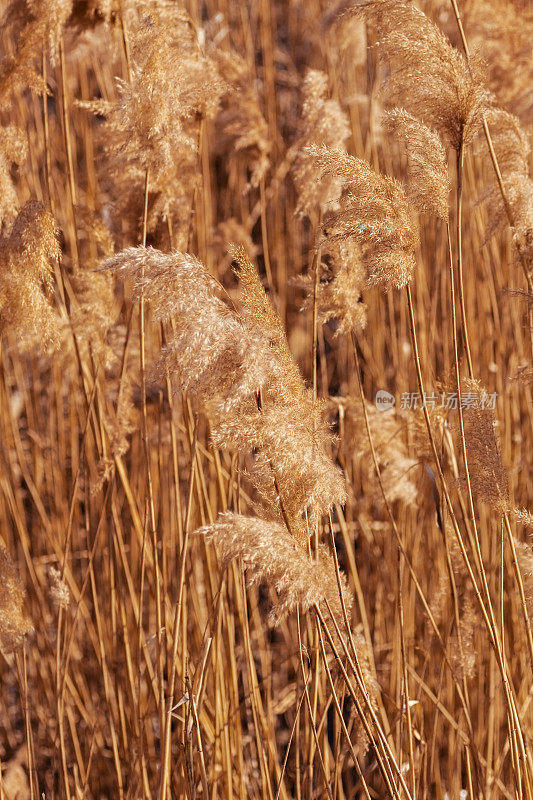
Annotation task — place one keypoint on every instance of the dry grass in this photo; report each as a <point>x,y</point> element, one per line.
<point>226,570</point>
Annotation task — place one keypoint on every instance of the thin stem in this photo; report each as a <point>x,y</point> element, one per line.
<point>526,267</point>
<point>341,719</point>
<point>488,616</point>
<point>264,236</point>
<point>34,786</point>
<point>151,506</point>
<point>405,679</point>
<point>521,589</point>
<point>401,546</point>
<point>176,626</point>
<point>316,283</point>
<point>312,717</point>
<point>381,750</point>
<point>46,128</point>
<point>68,151</point>
<point>460,156</point>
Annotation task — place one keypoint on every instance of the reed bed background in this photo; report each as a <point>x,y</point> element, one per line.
<point>227,570</point>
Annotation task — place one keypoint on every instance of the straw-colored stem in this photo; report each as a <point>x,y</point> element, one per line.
<point>459,234</point>
<point>68,152</point>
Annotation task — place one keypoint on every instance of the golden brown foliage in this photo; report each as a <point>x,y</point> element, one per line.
<point>388,430</point>
<point>488,476</point>
<point>511,145</point>
<point>375,213</point>
<point>322,123</point>
<point>270,554</point>
<point>428,184</point>
<point>33,25</point>
<point>14,624</point>
<point>13,150</point>
<point>58,588</point>
<point>503,32</point>
<point>261,123</point>
<point>26,282</point>
<point>239,370</point>
<point>342,279</point>
<point>243,128</point>
<point>154,127</point>
<point>523,516</point>
<point>428,76</point>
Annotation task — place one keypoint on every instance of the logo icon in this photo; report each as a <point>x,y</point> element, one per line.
<point>384,400</point>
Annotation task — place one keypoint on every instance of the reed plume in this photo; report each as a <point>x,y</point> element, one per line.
<point>238,369</point>
<point>374,213</point>
<point>94,314</point>
<point>154,127</point>
<point>15,778</point>
<point>95,311</point>
<point>13,150</point>
<point>427,75</point>
<point>502,33</point>
<point>339,292</point>
<point>14,624</point>
<point>341,272</point>
<point>389,435</point>
<point>262,123</point>
<point>322,123</point>
<point>33,24</point>
<point>26,282</point>
<point>243,128</point>
<point>428,183</point>
<point>488,476</point>
<point>271,554</point>
<point>462,642</point>
<point>59,591</point>
<point>511,145</point>
<point>523,516</point>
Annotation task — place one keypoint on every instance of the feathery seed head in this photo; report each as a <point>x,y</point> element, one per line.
<point>154,126</point>
<point>428,76</point>
<point>375,213</point>
<point>428,184</point>
<point>512,148</point>
<point>33,23</point>
<point>523,516</point>
<point>322,123</point>
<point>488,476</point>
<point>58,588</point>
<point>26,255</point>
<point>14,624</point>
<point>240,121</point>
<point>13,150</point>
<point>272,555</point>
<point>388,429</point>
<point>171,280</point>
<point>238,368</point>
<point>503,33</point>
<point>342,279</point>
<point>34,241</point>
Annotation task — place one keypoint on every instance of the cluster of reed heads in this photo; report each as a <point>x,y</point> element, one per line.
<point>225,571</point>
